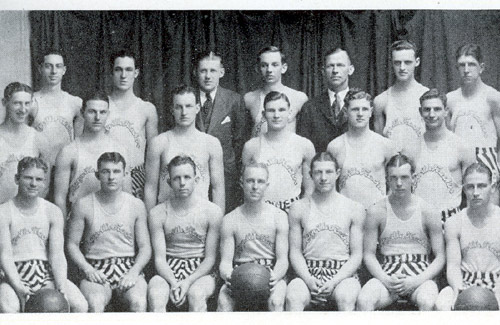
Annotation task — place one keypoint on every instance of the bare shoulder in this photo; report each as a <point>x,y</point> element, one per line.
<point>211,209</point>
<point>135,203</point>
<point>251,145</point>
<point>492,95</point>
<point>279,215</point>
<point>378,210</point>
<point>453,224</point>
<point>380,101</point>
<point>68,153</point>
<point>295,95</point>
<point>299,209</point>
<point>212,142</point>
<point>158,211</point>
<point>453,96</point>
<point>83,206</point>
<point>357,209</point>
<point>52,209</point>
<point>251,96</point>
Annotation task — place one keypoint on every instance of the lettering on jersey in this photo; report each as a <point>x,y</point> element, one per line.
<point>37,231</point>
<point>189,231</point>
<point>75,185</point>
<point>311,234</point>
<point>283,205</point>
<point>127,125</point>
<point>258,127</point>
<point>468,115</point>
<point>439,171</point>
<point>106,227</point>
<point>263,239</point>
<point>201,171</point>
<point>360,172</point>
<point>404,122</point>
<point>41,126</point>
<point>283,163</point>
<point>492,247</point>
<point>11,159</point>
<point>399,238</point>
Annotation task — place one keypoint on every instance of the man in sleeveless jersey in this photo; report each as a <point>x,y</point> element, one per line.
<point>76,162</point>
<point>112,227</point>
<point>272,65</point>
<point>406,230</point>
<point>326,243</point>
<point>17,139</point>
<point>31,243</point>
<point>472,241</point>
<point>442,158</point>
<point>474,110</point>
<point>286,154</point>
<point>132,121</point>
<point>361,153</point>
<point>185,139</point>
<point>254,232</point>
<point>185,237</point>
<point>396,109</point>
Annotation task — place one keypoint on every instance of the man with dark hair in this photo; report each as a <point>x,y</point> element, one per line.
<point>272,65</point>
<point>132,121</point>
<point>396,109</point>
<point>184,139</point>
<point>322,118</point>
<point>111,227</point>
<point>222,115</point>
<point>31,243</point>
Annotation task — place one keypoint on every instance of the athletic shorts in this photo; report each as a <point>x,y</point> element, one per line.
<point>407,264</point>
<point>284,205</point>
<point>488,156</point>
<point>482,279</point>
<point>114,268</point>
<point>138,175</point>
<point>184,267</point>
<point>34,273</point>
<point>325,270</point>
<point>269,264</point>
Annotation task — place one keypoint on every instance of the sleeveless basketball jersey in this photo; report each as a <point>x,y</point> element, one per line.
<point>433,179</point>
<point>198,152</point>
<point>55,123</point>
<point>480,246</point>
<point>9,157</point>
<point>403,236</point>
<point>359,180</point>
<point>404,125</point>
<point>29,233</point>
<point>254,241</point>
<point>127,132</point>
<point>285,168</point>
<point>110,235</point>
<point>327,237</point>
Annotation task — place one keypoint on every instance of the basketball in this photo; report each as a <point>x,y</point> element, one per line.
<point>476,298</point>
<point>250,283</point>
<point>47,301</point>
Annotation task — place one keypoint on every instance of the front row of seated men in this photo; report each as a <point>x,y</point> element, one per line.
<point>322,238</point>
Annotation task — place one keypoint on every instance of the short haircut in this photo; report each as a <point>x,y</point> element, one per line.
<point>357,93</point>
<point>404,45</point>
<point>471,49</point>
<point>30,162</point>
<point>114,157</point>
<point>431,94</point>
<point>179,161</point>
<point>96,95</point>
<point>211,55</point>
<point>334,50</point>
<point>478,167</point>
<point>272,49</point>
<point>183,89</point>
<point>275,95</point>
<point>15,87</point>
<point>122,53</point>
<point>49,51</point>
<point>254,165</point>
<point>324,156</point>
<point>398,161</point>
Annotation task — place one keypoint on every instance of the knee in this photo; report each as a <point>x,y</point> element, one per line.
<point>294,302</point>
<point>79,306</point>
<point>276,303</point>
<point>9,306</point>
<point>96,303</point>
<point>137,303</point>
<point>345,302</point>
<point>197,300</point>
<point>365,302</point>
<point>224,302</point>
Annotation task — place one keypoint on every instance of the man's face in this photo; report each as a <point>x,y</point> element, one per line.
<point>404,63</point>
<point>95,115</point>
<point>209,73</point>
<point>337,70</point>
<point>52,69</point>
<point>433,112</point>
<point>324,175</point>
<point>271,68</point>
<point>31,182</point>
<point>277,113</point>
<point>183,180</point>
<point>400,180</point>
<point>254,183</point>
<point>18,106</point>
<point>469,68</point>
<point>124,73</point>
<point>478,189</point>
<point>111,176</point>
<point>359,112</point>
<point>185,109</point>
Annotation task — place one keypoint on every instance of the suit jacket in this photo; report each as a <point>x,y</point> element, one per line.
<point>316,122</point>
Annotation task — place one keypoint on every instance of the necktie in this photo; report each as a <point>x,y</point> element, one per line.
<point>207,107</point>
<point>337,111</point>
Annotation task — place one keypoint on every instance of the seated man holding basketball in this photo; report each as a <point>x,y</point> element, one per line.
<point>472,239</point>
<point>185,230</point>
<point>255,232</point>
<point>326,243</point>
<point>31,243</point>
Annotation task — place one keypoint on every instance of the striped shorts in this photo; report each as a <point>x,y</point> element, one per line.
<point>407,264</point>
<point>114,268</point>
<point>269,264</point>
<point>445,214</point>
<point>138,175</point>
<point>482,279</point>
<point>325,270</point>
<point>488,156</point>
<point>34,273</point>
<point>183,267</point>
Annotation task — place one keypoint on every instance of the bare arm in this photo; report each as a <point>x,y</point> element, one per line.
<point>76,226</point>
<point>494,102</point>
<point>78,118</point>
<point>295,239</point>
<point>62,178</point>
<point>216,166</point>
<point>153,162</point>
<point>281,265</point>
<point>57,259</point>
<point>453,254</point>
<point>248,151</point>
<point>307,182</point>
<point>151,123</point>
<point>379,113</point>
<point>226,249</point>
<point>142,241</point>
<point>157,231</point>
<point>449,116</point>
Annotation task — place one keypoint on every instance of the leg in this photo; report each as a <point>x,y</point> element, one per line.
<point>425,295</point>
<point>9,302</point>
<point>76,300</point>
<point>298,296</point>
<point>136,297</point>
<point>199,292</point>
<point>158,292</point>
<point>225,301</point>
<point>276,301</point>
<point>374,295</point>
<point>98,296</point>
<point>346,293</point>
<point>444,301</point>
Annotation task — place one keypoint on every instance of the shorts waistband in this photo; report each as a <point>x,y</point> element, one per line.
<point>403,258</point>
<point>112,260</point>
<point>331,264</point>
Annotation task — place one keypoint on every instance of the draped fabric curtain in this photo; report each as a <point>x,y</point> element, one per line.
<point>166,42</point>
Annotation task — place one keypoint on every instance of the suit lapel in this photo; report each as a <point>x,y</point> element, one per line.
<point>324,108</point>
<point>199,122</point>
<point>219,110</point>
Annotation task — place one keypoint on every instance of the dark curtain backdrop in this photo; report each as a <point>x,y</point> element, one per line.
<point>167,40</point>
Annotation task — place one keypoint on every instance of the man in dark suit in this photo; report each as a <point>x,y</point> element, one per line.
<point>224,116</point>
<point>322,118</point>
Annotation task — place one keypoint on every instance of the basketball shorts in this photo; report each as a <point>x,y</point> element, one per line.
<point>326,270</point>
<point>33,273</point>
<point>269,264</point>
<point>184,267</point>
<point>407,264</point>
<point>138,175</point>
<point>482,279</point>
<point>447,213</point>
<point>284,205</point>
<point>488,156</point>
<point>114,268</point>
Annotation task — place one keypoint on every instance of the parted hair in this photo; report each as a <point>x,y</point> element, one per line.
<point>181,160</point>
<point>15,87</point>
<point>471,49</point>
<point>478,167</point>
<point>114,157</point>
<point>399,160</point>
<point>272,49</point>
<point>357,93</point>
<point>275,95</point>
<point>30,162</point>
<point>433,93</point>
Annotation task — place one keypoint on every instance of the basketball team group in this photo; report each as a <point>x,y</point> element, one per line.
<point>350,203</point>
